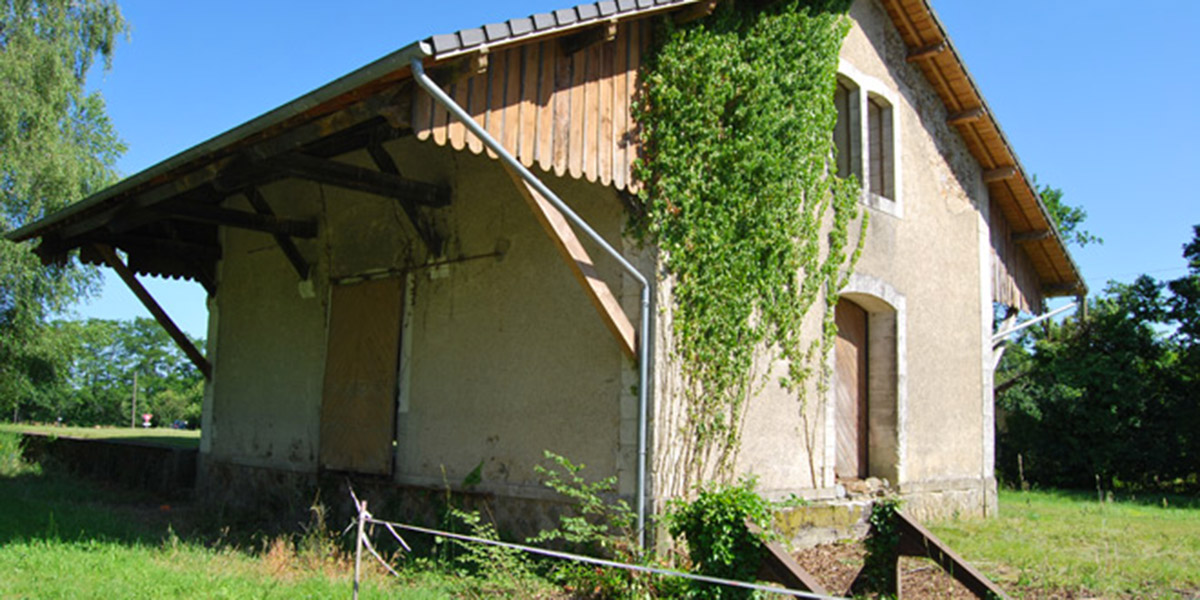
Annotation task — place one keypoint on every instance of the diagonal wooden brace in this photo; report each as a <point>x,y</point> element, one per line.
<point>181,339</point>
<point>581,264</point>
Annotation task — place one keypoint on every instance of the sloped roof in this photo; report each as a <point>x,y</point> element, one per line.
<point>928,43</point>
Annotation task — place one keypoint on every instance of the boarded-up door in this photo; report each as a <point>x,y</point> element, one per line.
<point>851,358</point>
<point>358,408</point>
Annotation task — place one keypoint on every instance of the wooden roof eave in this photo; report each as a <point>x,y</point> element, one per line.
<point>935,54</point>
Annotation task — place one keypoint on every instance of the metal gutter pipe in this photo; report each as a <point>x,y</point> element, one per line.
<point>418,71</point>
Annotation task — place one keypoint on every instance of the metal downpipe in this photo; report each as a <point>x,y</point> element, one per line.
<point>418,71</point>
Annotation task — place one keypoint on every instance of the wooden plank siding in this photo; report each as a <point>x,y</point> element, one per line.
<point>1014,278</point>
<point>564,113</point>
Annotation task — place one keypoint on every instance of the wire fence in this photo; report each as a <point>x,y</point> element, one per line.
<point>363,542</point>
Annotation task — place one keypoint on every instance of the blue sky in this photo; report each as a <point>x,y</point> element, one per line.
<point>1098,98</point>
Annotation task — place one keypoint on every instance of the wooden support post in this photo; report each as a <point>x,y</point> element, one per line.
<point>581,265</point>
<point>181,339</point>
<point>358,544</point>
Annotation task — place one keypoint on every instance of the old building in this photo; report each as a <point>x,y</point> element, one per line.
<point>389,299</point>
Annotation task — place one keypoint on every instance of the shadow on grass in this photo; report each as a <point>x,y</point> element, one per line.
<point>52,505</point>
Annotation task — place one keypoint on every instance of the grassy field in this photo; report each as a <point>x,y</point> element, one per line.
<point>61,537</point>
<point>1069,544</point>
<point>179,438</point>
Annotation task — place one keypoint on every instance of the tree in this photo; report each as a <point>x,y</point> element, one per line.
<point>1112,396</point>
<point>57,146</point>
<point>90,379</point>
<point>1066,218</point>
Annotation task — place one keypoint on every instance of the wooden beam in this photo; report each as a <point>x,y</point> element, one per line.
<point>394,104</point>
<point>351,177</point>
<point>580,263</point>
<point>967,116</point>
<point>604,32</point>
<point>1060,289</point>
<point>779,566</point>
<point>1032,236</point>
<point>915,540</point>
<point>696,11</point>
<point>384,162</point>
<point>113,261</point>
<point>375,131</point>
<point>226,217</point>
<point>999,174</point>
<point>916,54</point>
<point>285,242</point>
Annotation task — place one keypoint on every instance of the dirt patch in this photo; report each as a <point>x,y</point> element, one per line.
<point>836,566</point>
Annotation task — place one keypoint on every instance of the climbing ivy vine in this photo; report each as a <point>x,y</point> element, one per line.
<point>741,198</point>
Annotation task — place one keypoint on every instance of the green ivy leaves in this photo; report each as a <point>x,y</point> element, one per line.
<point>740,197</point>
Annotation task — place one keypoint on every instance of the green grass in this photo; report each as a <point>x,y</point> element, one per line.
<point>1064,542</point>
<point>177,438</point>
<point>62,537</point>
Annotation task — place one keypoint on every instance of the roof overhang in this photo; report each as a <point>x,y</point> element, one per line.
<point>165,216</point>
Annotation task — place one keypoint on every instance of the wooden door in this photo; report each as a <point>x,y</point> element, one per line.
<point>358,408</point>
<point>850,356</point>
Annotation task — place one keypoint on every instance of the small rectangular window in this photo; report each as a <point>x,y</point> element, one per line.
<point>879,142</point>
<point>841,131</point>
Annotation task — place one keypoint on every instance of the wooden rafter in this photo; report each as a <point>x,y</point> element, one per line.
<point>581,264</point>
<point>384,162</point>
<point>181,339</point>
<point>285,242</point>
<point>394,105</point>
<point>1000,173</point>
<point>351,177</point>
<point>228,217</point>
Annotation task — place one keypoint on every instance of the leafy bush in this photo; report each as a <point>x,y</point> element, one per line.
<point>593,526</point>
<point>719,543</point>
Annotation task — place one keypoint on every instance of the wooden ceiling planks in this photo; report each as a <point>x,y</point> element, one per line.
<point>567,113</point>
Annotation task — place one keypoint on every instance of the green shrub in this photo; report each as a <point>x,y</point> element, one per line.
<point>719,543</point>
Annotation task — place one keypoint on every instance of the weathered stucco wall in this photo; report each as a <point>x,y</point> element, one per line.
<point>930,253</point>
<point>927,291</point>
<point>508,357</point>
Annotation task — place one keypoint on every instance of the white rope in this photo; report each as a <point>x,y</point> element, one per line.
<point>367,542</point>
<point>605,563</point>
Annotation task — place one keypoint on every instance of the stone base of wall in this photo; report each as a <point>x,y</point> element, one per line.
<point>831,520</point>
<point>938,500</point>
<point>277,500</point>
<point>167,472</point>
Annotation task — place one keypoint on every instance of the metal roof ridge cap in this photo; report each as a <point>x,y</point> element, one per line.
<point>348,82</point>
<point>561,29</point>
<point>991,116</point>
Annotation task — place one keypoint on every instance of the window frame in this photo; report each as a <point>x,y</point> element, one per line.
<point>867,91</point>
